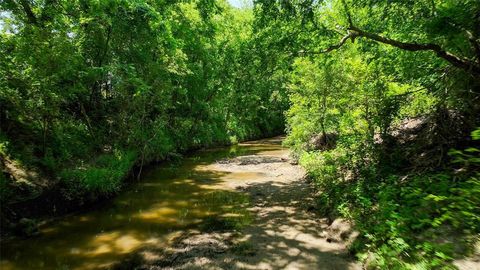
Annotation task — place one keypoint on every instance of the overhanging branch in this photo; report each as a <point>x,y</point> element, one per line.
<point>465,64</point>
<point>459,62</point>
<point>350,35</point>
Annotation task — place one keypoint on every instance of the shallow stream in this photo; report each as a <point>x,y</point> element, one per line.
<point>168,199</point>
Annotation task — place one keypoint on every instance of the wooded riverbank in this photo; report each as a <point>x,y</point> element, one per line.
<point>219,194</point>
<point>379,100</point>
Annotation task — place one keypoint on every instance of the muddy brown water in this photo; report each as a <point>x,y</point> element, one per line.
<point>170,198</point>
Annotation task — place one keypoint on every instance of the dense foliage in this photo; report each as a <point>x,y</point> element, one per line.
<point>375,96</point>
<point>376,107</point>
<point>91,88</point>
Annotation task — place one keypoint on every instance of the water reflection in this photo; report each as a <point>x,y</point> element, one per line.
<point>168,199</point>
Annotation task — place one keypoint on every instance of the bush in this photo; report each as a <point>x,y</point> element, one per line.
<point>103,177</point>
<point>410,221</point>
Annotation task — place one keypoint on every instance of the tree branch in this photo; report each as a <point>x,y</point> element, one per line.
<point>465,64</point>
<point>347,12</point>
<point>457,61</point>
<point>28,11</point>
<point>351,35</point>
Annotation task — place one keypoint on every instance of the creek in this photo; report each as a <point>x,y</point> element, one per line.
<point>169,198</point>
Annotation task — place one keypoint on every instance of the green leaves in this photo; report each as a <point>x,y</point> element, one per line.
<point>81,78</point>
<point>88,88</point>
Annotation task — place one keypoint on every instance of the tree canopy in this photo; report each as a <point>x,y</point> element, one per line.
<point>374,96</point>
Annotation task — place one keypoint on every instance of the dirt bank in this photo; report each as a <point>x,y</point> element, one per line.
<point>285,232</point>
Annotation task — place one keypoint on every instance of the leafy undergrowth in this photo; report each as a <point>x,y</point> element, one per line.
<point>412,220</point>
<point>103,177</point>
<point>196,83</point>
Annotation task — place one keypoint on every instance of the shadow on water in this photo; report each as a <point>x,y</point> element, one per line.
<point>169,198</point>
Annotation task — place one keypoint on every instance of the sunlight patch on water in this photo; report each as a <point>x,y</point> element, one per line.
<point>160,214</point>
<point>169,199</point>
<point>111,242</point>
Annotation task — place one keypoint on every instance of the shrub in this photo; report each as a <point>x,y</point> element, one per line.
<point>417,220</point>
<point>102,177</point>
